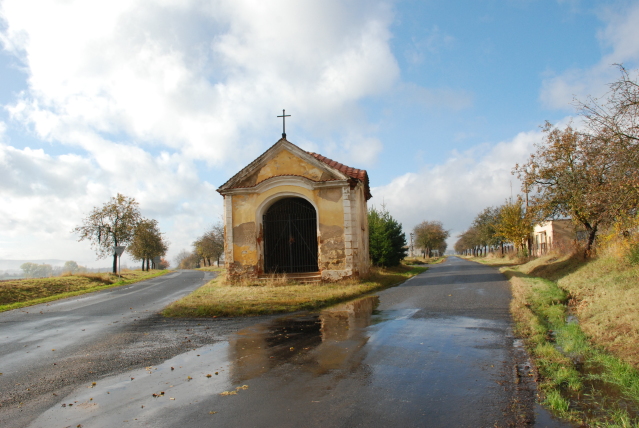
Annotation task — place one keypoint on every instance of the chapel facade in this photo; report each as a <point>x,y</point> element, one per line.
<point>296,213</point>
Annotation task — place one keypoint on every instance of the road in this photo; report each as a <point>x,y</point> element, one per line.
<point>437,351</point>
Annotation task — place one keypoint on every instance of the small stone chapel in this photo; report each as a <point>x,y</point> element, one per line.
<point>296,213</point>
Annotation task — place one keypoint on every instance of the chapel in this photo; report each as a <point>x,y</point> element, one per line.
<point>297,213</point>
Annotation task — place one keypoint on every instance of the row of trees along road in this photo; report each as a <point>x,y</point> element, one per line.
<point>495,227</point>
<point>206,248</point>
<point>430,236</point>
<point>119,222</point>
<point>589,174</point>
<point>210,246</point>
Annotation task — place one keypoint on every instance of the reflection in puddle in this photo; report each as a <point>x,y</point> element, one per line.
<point>318,342</point>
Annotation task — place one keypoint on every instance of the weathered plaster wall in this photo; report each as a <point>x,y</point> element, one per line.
<point>247,231</point>
<point>284,163</point>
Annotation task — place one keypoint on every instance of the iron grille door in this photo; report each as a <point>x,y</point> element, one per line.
<point>290,237</point>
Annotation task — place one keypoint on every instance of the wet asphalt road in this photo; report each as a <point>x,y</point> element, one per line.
<point>437,351</point>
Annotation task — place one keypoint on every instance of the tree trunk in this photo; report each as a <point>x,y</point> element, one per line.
<point>592,231</point>
<point>142,265</point>
<point>115,263</point>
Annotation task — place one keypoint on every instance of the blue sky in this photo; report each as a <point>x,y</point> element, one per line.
<point>165,100</point>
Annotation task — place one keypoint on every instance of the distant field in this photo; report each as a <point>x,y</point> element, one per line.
<point>18,293</point>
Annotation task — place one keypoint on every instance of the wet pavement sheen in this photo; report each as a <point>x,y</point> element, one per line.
<point>436,351</point>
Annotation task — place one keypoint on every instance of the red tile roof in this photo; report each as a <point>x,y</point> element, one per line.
<point>357,174</point>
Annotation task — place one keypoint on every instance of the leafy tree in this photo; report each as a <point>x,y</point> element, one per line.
<point>486,225</point>
<point>387,241</point>
<point>430,235</point>
<point>577,175</point>
<point>111,225</point>
<point>469,240</point>
<point>211,244</point>
<point>187,260</point>
<point>514,225</point>
<point>70,267</point>
<point>147,242</point>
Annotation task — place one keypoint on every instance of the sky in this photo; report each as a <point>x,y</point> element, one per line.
<point>165,100</point>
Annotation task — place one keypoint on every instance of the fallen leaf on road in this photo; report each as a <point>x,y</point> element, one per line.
<point>228,393</point>
<point>209,375</point>
<point>212,413</point>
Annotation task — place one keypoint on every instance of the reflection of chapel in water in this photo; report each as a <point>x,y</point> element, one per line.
<point>295,212</point>
<point>323,342</point>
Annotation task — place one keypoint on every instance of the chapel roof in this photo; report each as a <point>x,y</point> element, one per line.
<point>357,174</point>
<point>353,173</point>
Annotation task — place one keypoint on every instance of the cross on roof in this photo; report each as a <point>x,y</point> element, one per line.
<point>284,116</point>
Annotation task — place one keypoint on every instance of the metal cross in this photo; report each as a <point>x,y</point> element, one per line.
<point>284,116</point>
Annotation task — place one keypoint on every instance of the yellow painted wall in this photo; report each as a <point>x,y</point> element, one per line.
<point>246,225</point>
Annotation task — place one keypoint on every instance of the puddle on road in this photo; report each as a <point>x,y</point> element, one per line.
<point>318,342</point>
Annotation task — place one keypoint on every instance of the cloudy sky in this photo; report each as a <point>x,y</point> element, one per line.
<point>165,100</point>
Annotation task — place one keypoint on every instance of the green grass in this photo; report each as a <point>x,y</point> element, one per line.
<point>220,298</point>
<point>540,309</point>
<point>16,294</point>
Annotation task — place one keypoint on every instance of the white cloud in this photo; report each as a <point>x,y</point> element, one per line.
<point>620,39</point>
<point>456,191</point>
<point>44,197</point>
<point>147,91</point>
<point>200,78</point>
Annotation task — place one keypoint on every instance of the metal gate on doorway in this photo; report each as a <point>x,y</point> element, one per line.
<point>290,237</point>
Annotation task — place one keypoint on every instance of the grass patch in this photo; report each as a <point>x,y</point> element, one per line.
<point>19,293</point>
<point>220,298</point>
<point>578,377</point>
<point>496,260</point>
<point>416,261</point>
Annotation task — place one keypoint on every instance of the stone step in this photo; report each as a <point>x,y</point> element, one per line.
<point>306,277</point>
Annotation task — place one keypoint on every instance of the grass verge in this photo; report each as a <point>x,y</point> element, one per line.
<point>220,298</point>
<point>579,377</point>
<point>19,293</point>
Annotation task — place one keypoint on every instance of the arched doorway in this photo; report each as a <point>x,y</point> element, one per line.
<point>290,237</point>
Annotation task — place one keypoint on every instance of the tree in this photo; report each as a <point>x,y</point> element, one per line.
<point>70,267</point>
<point>618,115</point>
<point>211,244</point>
<point>147,242</point>
<point>34,270</point>
<point>187,260</point>
<point>467,240</point>
<point>514,225</point>
<point>577,175</point>
<point>111,225</point>
<point>387,241</point>
<point>430,235</point>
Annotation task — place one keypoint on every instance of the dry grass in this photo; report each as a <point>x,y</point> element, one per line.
<point>18,293</point>
<point>605,294</point>
<point>220,298</point>
<point>496,260</point>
